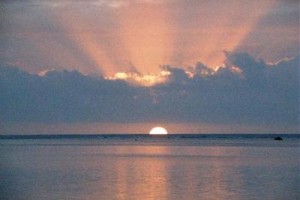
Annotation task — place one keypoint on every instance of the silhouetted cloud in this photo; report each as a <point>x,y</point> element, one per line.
<point>244,90</point>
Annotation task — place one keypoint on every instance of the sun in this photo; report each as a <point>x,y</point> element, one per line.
<point>158,131</point>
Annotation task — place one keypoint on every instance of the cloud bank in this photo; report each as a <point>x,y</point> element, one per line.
<point>243,91</point>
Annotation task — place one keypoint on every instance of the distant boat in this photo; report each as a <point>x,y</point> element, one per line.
<point>278,138</point>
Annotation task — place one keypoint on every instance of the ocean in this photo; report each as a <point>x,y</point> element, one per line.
<point>144,167</point>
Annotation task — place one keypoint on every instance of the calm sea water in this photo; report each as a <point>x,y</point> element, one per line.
<point>142,167</point>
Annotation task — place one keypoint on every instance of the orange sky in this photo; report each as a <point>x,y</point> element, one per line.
<point>133,39</point>
<point>147,35</point>
<point>142,128</point>
<point>106,37</point>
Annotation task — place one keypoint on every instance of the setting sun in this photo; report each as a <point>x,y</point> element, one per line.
<point>158,131</point>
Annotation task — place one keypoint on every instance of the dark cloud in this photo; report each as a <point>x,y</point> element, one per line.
<point>245,90</point>
<point>285,13</point>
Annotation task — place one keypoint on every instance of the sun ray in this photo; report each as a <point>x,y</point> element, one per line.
<point>146,35</point>
<point>101,46</point>
<point>139,37</point>
<point>202,35</point>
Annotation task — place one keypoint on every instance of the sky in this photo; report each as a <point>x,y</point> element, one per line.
<point>124,66</point>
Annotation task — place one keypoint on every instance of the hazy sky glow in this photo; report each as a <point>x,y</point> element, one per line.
<point>219,65</point>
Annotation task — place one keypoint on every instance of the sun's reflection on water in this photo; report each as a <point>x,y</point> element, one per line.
<point>140,171</point>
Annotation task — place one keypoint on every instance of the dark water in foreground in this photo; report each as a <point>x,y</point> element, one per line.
<point>141,167</point>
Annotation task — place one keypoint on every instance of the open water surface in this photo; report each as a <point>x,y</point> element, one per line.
<point>120,167</point>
